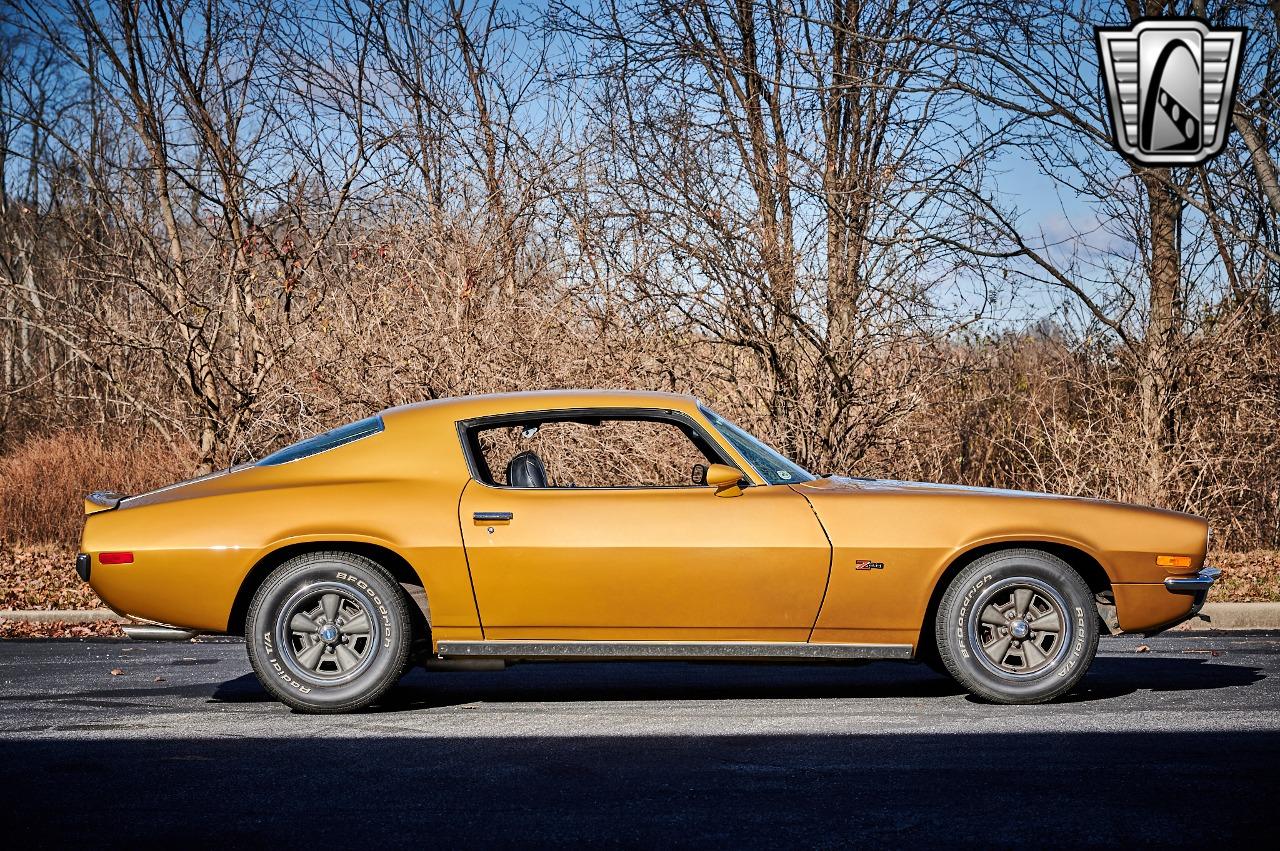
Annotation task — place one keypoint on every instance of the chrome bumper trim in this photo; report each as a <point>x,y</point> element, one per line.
<point>669,650</point>
<point>1197,584</point>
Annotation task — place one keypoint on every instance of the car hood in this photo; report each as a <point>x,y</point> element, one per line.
<point>840,484</point>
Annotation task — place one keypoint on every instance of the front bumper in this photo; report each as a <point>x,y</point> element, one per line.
<point>1198,584</point>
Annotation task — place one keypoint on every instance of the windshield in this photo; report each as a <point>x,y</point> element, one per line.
<point>775,468</point>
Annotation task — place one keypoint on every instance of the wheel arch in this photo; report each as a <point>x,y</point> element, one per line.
<point>400,569</point>
<point>1085,564</point>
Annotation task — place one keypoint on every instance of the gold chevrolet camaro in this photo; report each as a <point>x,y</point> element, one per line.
<point>598,525</point>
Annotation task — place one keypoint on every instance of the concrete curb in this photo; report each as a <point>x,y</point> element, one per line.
<point>62,615</point>
<point>1224,616</point>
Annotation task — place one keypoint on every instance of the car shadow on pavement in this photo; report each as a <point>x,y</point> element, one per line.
<point>560,682</point>
<point>882,788</point>
<point>568,682</point>
<point>1111,677</point>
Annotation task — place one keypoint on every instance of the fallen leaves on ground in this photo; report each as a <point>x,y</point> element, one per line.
<point>59,629</point>
<point>115,672</point>
<point>1142,648</point>
<point>1246,577</point>
<point>42,577</point>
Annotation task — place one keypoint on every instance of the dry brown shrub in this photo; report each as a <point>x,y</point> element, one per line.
<point>44,480</point>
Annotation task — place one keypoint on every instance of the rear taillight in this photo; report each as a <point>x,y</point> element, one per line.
<point>115,558</point>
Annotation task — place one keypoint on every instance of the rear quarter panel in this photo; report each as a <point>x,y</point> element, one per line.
<point>194,547</point>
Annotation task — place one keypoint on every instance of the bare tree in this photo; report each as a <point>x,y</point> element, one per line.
<point>776,161</point>
<point>1037,65</point>
<point>234,222</point>
<point>188,203</point>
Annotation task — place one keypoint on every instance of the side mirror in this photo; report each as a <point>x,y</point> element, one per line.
<point>725,479</point>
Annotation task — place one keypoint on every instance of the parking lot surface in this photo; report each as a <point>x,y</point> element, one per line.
<point>1176,744</point>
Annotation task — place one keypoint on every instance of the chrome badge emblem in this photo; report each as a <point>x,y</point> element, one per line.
<point>1171,84</point>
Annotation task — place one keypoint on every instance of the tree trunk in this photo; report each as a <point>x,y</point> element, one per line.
<point>1158,368</point>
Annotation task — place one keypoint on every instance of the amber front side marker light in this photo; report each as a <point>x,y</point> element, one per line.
<point>1173,561</point>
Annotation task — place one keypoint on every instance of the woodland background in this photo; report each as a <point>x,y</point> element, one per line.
<point>891,236</point>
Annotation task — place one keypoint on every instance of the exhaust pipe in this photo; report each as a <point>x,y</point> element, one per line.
<point>152,632</point>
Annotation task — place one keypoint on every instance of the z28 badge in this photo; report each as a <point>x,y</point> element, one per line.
<point>863,564</point>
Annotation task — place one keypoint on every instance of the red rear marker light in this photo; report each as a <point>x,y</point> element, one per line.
<point>115,558</point>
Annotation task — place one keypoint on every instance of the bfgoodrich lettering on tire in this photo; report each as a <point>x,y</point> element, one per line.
<point>329,632</point>
<point>1017,626</point>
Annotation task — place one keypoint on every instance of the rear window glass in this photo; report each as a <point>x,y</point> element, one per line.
<point>324,442</point>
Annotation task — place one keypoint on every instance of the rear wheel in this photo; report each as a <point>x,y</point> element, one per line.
<point>1017,626</point>
<point>329,632</point>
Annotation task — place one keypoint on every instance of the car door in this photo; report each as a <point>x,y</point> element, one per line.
<point>637,562</point>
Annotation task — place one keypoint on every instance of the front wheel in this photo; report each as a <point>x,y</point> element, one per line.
<point>329,632</point>
<point>1017,626</point>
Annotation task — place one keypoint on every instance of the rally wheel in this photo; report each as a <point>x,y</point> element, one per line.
<point>329,632</point>
<point>1017,626</point>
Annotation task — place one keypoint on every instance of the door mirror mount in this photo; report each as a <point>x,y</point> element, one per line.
<point>725,479</point>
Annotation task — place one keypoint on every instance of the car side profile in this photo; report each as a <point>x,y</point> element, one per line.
<point>597,525</point>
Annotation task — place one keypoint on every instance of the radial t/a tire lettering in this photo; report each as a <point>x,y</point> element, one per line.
<point>329,632</point>
<point>1017,626</point>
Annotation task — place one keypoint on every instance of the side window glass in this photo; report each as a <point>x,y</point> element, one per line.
<point>607,453</point>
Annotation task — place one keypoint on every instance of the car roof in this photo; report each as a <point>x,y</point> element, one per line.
<point>468,407</point>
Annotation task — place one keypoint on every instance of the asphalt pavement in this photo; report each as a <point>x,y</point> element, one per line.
<point>1175,746</point>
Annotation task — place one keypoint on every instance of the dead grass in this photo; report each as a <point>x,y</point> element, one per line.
<point>44,480</point>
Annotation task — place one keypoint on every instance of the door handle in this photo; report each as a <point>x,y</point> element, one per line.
<point>492,516</point>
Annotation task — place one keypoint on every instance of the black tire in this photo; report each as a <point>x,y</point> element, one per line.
<point>928,656</point>
<point>359,646</point>
<point>986,627</point>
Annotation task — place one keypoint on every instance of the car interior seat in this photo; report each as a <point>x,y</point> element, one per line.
<point>526,470</point>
